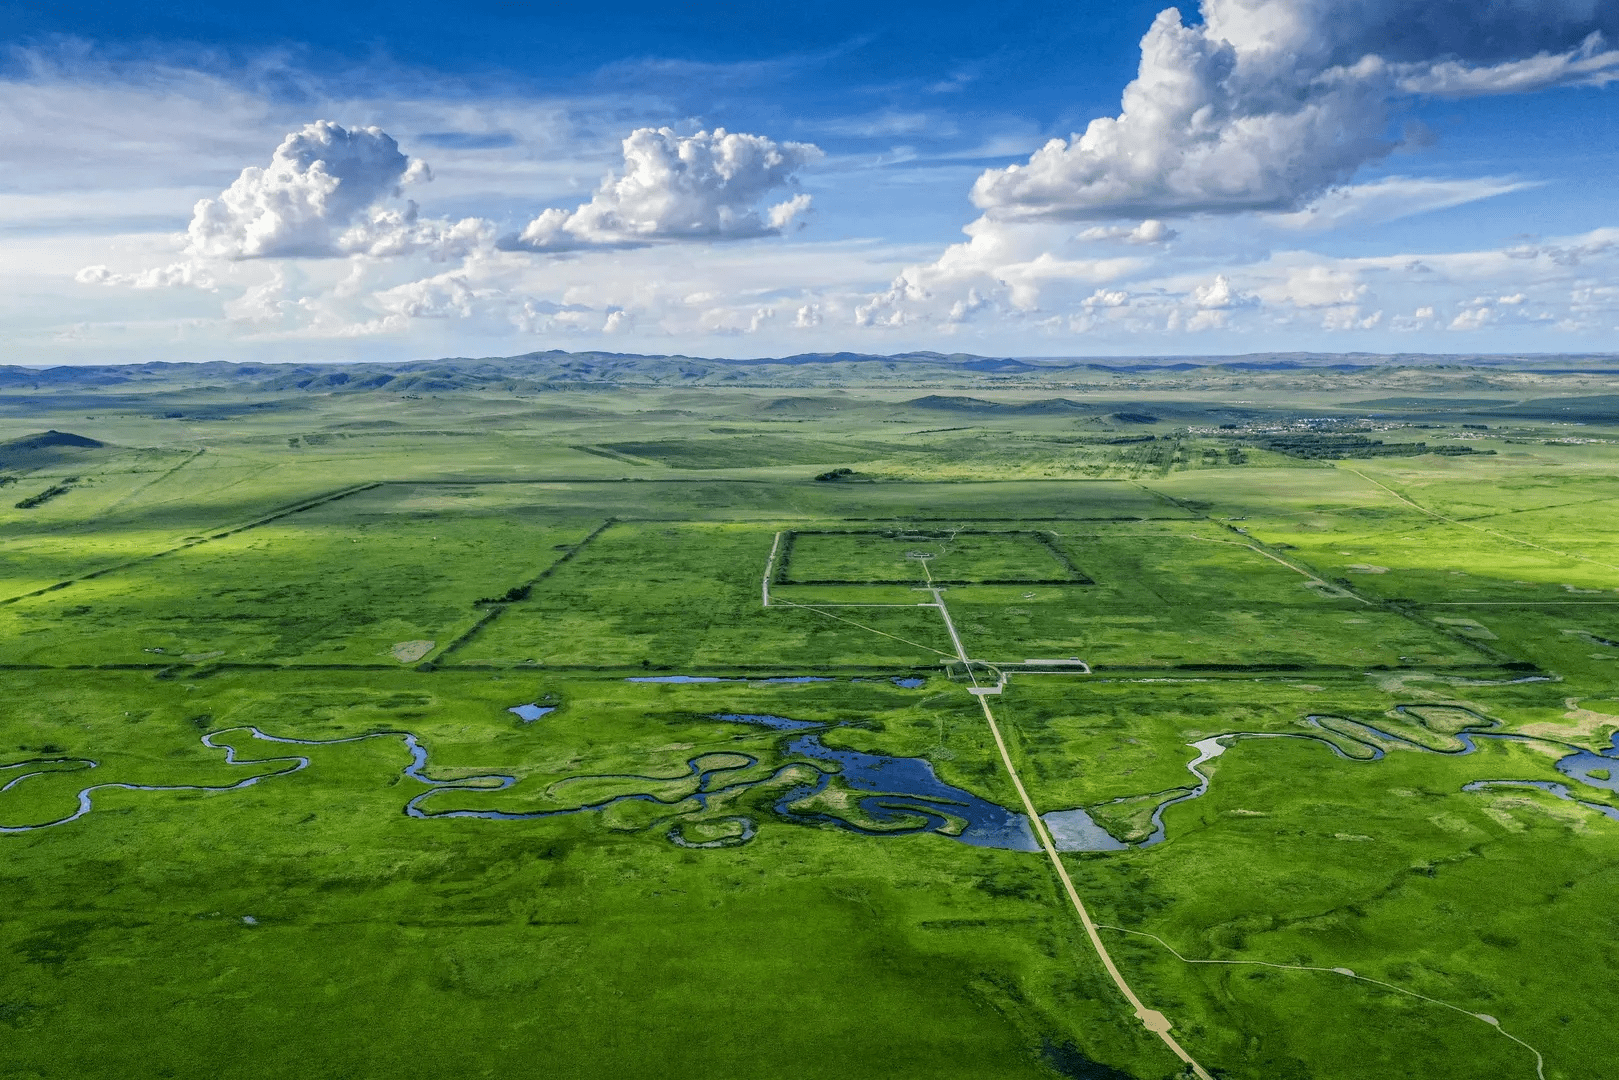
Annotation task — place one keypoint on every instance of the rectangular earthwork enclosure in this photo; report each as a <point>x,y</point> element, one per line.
<point>683,596</point>
<point>923,556</point>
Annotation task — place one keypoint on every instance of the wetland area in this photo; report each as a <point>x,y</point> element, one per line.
<point>558,717</point>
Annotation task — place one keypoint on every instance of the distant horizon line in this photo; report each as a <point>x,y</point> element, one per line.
<point>1299,358</point>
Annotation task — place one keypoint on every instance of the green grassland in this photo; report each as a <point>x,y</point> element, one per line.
<point>643,882</point>
<point>338,590</point>
<point>924,556</point>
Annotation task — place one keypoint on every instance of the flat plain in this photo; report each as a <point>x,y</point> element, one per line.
<point>1314,692</point>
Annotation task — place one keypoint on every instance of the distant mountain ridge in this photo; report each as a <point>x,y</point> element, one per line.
<point>559,369</point>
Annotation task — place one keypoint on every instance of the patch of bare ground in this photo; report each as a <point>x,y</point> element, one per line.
<point>408,652</point>
<point>1583,723</point>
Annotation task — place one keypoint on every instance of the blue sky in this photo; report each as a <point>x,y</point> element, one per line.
<point>383,181</point>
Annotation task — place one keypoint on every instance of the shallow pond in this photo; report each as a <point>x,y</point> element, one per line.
<point>907,790</point>
<point>1073,830</point>
<point>1580,767</point>
<point>775,723</point>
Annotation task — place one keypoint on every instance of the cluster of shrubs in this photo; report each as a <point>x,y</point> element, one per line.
<point>48,494</point>
<point>1308,445</point>
<point>511,595</point>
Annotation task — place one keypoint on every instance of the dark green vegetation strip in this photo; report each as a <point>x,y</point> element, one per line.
<point>1342,447</point>
<point>309,504</point>
<point>517,593</point>
<point>47,495</point>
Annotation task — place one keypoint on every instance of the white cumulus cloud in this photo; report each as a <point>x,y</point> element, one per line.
<point>328,191</point>
<point>321,184</point>
<point>1267,103</point>
<point>1006,267</point>
<point>1151,231</point>
<point>386,231</point>
<point>706,186</point>
<point>174,275</point>
<point>1266,109</point>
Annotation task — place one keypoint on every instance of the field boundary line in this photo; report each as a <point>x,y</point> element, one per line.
<point>1349,674</point>
<point>874,630</point>
<point>295,508</point>
<point>770,567</point>
<point>1540,1062</point>
<point>1515,603</point>
<point>1252,544</point>
<point>1315,579</point>
<point>494,610</point>
<point>1478,528</point>
<point>819,605</point>
<point>1406,611</point>
<point>193,456</point>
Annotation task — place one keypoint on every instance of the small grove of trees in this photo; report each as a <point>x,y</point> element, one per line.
<point>1309,445</point>
<point>511,595</point>
<point>47,495</point>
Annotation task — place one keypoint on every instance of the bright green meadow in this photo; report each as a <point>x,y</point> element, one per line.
<point>266,809</point>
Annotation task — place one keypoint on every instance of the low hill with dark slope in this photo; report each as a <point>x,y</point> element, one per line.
<point>1595,409</point>
<point>1591,409</point>
<point>317,380</point>
<point>996,366</point>
<point>960,361</point>
<point>804,406</point>
<point>1049,407</point>
<point>46,449</point>
<point>49,438</point>
<point>953,403</point>
<point>980,406</point>
<point>1419,404</point>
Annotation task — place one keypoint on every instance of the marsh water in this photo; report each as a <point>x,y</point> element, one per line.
<point>1074,830</point>
<point>1578,765</point>
<point>893,796</point>
<point>86,795</point>
<point>906,797</point>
